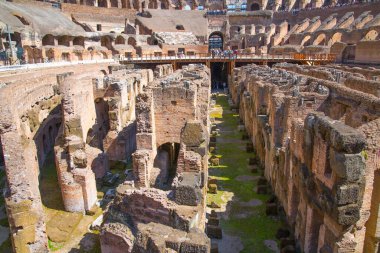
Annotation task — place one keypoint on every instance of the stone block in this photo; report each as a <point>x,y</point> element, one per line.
<point>186,189</point>
<point>262,189</point>
<point>193,134</point>
<point>213,188</point>
<point>347,194</point>
<point>286,241</point>
<point>253,161</point>
<point>214,161</point>
<point>213,221</point>
<point>214,205</point>
<point>214,248</point>
<point>249,147</point>
<point>288,249</point>
<point>145,141</point>
<point>282,233</point>
<point>245,136</point>
<point>214,232</point>
<point>213,214</point>
<point>347,166</point>
<point>254,169</point>
<point>348,214</point>
<point>262,181</point>
<point>341,136</point>
<point>80,158</point>
<point>271,209</point>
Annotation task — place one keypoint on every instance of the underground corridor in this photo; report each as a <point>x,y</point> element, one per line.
<point>247,224</point>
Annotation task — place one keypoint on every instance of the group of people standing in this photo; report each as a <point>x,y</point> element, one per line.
<point>224,53</point>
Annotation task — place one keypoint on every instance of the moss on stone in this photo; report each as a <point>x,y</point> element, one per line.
<point>250,223</point>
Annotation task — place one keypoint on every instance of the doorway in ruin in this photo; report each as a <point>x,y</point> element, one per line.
<point>255,7</point>
<point>165,165</point>
<point>215,41</point>
<point>219,75</point>
<point>44,140</point>
<point>348,54</point>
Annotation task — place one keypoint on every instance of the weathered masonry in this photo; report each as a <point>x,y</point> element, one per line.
<point>316,131</point>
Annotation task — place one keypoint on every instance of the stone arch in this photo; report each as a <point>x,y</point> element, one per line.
<point>216,40</point>
<point>106,41</point>
<point>255,7</point>
<point>320,40</point>
<point>165,165</point>
<point>132,41</point>
<point>78,41</point>
<point>48,40</point>
<point>371,35</point>
<point>165,4</point>
<point>23,20</point>
<point>337,37</point>
<point>29,54</point>
<point>114,3</point>
<point>306,40</point>
<point>136,4</point>
<point>64,40</point>
<point>152,4</point>
<point>120,40</point>
<point>103,3</point>
<point>89,2</point>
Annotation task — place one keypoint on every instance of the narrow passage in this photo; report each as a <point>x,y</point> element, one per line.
<point>232,189</point>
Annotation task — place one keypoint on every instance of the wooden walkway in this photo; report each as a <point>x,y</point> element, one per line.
<point>309,59</point>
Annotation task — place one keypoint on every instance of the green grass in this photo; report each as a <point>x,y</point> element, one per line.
<point>54,246</point>
<point>257,227</point>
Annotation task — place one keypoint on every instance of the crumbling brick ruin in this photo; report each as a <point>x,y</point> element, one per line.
<point>317,138</point>
<point>166,198</point>
<point>89,119</point>
<point>119,120</point>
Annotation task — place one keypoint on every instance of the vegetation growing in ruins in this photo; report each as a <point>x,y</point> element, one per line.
<point>248,222</point>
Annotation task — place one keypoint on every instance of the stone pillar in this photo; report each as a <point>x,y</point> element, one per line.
<point>76,178</point>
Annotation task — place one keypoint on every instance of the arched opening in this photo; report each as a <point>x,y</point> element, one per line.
<point>106,42</point>
<point>132,41</point>
<point>22,19</point>
<point>306,41</point>
<point>219,74</point>
<point>320,40</point>
<point>371,35</point>
<point>64,41</point>
<point>120,40</point>
<point>164,5</point>
<point>165,165</point>
<point>48,40</point>
<point>78,41</point>
<point>180,27</point>
<point>348,54</point>
<point>255,7</point>
<point>102,3</point>
<point>152,4</point>
<point>114,3</point>
<point>215,41</point>
<point>337,37</point>
<point>104,55</point>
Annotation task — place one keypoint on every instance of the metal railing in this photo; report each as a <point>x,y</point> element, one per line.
<point>165,57</point>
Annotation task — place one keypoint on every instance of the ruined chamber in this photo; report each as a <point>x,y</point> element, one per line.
<point>163,208</point>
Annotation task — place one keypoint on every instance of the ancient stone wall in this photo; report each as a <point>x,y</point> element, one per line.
<point>169,167</point>
<point>94,103</point>
<point>318,150</point>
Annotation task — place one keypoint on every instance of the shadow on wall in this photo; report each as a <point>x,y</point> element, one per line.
<point>165,165</point>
